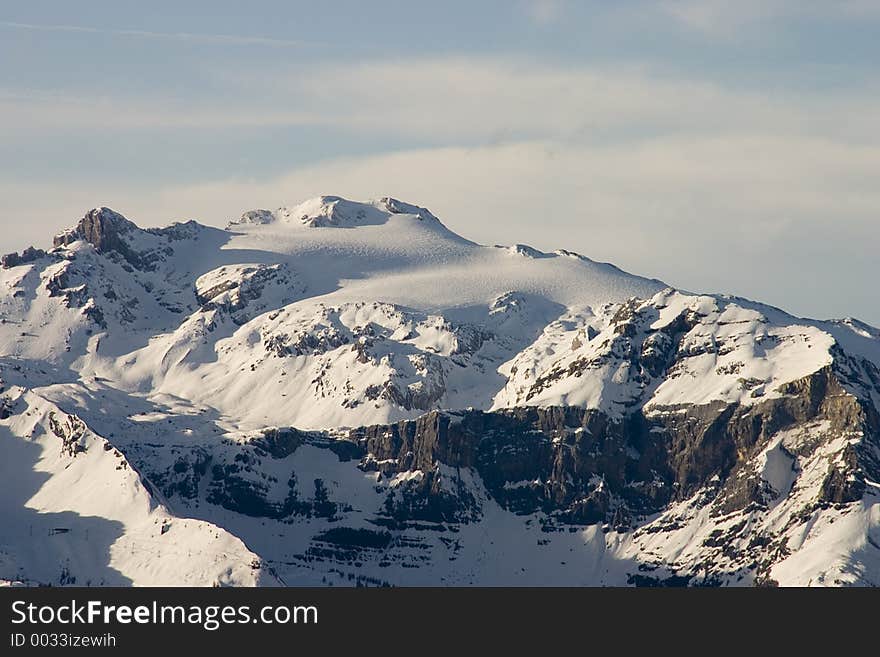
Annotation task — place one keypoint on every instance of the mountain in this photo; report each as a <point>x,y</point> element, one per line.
<point>350,393</point>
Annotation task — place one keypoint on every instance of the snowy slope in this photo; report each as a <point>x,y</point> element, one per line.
<point>345,312</point>
<point>175,347</point>
<point>726,351</point>
<point>70,492</point>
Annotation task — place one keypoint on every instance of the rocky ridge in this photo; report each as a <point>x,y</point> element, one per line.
<point>563,421</point>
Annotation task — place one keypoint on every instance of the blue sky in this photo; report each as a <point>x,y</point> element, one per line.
<point>719,146</point>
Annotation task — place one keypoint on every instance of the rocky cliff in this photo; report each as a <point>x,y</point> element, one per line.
<point>363,397</point>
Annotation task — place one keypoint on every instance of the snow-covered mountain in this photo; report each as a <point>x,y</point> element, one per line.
<point>343,392</point>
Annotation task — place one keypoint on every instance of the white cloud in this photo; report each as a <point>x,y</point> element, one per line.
<point>476,100</point>
<point>718,15</point>
<point>788,220</point>
<point>545,12</point>
<point>39,113</point>
<point>768,195</point>
<point>493,99</point>
<point>722,17</point>
<point>222,39</point>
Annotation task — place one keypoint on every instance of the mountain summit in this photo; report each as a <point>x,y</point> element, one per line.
<point>337,212</point>
<point>351,392</point>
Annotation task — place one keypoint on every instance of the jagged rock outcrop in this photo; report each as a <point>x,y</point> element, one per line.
<point>113,235</point>
<point>72,431</point>
<point>762,472</point>
<point>614,431</point>
<point>253,217</point>
<point>29,255</point>
<point>280,443</point>
<point>103,228</point>
<point>586,467</point>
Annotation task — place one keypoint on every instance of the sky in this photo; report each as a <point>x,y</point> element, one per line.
<point>719,146</point>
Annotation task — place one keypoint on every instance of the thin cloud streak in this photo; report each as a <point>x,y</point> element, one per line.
<point>476,100</point>
<point>223,39</point>
<point>708,214</point>
<point>721,17</point>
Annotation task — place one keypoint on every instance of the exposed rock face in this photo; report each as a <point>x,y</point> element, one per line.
<point>587,468</point>
<point>762,472</point>
<point>72,431</point>
<point>7,408</point>
<point>111,234</point>
<point>115,273</point>
<point>231,290</point>
<point>101,227</point>
<point>30,254</point>
<point>395,206</point>
<point>253,217</point>
<point>281,443</point>
<point>622,434</point>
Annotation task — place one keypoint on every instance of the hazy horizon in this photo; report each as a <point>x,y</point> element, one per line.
<point>718,148</point>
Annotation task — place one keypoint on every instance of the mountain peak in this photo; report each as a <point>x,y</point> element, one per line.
<point>339,212</point>
<point>330,211</point>
<point>101,227</point>
<point>301,381</point>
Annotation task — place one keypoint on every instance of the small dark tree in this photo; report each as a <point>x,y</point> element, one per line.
<point>323,507</point>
